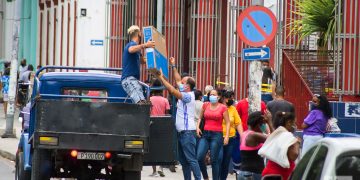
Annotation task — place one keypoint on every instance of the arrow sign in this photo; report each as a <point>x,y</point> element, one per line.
<point>97,42</point>
<point>251,54</point>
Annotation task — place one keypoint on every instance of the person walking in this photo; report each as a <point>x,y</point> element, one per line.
<point>5,78</point>
<point>281,148</point>
<point>160,107</point>
<point>314,124</point>
<point>132,58</point>
<point>252,163</point>
<point>185,123</point>
<point>212,138</point>
<point>235,125</point>
<point>279,104</point>
<point>198,104</point>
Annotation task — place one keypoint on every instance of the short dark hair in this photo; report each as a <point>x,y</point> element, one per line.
<point>7,72</point>
<point>191,82</point>
<point>255,119</point>
<point>157,83</point>
<point>30,67</point>
<point>280,91</point>
<point>228,94</point>
<point>198,94</point>
<point>281,118</point>
<point>184,74</point>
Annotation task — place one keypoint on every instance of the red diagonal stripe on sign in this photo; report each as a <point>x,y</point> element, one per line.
<point>261,31</point>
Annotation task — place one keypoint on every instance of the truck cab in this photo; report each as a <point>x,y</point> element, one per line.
<point>84,126</point>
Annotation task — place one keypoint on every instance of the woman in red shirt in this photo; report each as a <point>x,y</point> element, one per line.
<point>287,121</point>
<point>212,138</point>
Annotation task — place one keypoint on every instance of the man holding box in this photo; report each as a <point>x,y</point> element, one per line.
<point>132,58</point>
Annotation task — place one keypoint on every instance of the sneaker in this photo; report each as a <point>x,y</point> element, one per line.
<point>161,173</point>
<point>154,174</point>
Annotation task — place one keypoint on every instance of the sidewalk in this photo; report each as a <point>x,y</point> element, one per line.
<point>8,146</point>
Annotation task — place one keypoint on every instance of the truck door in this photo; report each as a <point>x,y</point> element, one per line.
<point>163,141</point>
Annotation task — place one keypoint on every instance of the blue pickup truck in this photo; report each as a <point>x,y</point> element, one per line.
<point>83,125</point>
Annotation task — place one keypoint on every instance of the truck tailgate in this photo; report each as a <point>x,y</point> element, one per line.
<point>95,123</point>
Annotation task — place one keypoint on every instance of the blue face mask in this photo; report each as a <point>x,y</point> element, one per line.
<point>263,127</point>
<point>213,99</point>
<point>181,88</point>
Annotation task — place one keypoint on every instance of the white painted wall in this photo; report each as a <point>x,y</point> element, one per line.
<point>1,30</point>
<point>58,35</point>
<point>91,27</point>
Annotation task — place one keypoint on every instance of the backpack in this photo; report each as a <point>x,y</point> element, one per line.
<point>332,126</point>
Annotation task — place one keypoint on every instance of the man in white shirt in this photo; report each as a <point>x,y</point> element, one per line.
<point>185,120</point>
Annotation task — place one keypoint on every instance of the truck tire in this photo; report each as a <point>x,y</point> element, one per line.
<point>41,165</point>
<point>20,172</point>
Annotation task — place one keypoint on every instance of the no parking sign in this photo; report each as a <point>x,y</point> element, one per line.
<point>256,26</point>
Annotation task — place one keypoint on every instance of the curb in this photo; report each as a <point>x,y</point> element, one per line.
<point>7,155</point>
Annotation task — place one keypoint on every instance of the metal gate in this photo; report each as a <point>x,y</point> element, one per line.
<point>205,41</point>
<point>121,15</point>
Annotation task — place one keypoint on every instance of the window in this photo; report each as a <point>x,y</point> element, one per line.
<point>301,167</point>
<point>348,165</point>
<point>317,165</point>
<point>85,92</point>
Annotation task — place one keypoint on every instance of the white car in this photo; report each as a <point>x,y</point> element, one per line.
<point>330,159</point>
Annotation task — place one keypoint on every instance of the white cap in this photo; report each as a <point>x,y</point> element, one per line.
<point>132,29</point>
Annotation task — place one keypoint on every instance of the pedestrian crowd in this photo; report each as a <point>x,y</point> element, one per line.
<point>213,129</point>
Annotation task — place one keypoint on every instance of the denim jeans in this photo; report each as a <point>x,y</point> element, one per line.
<point>187,155</point>
<point>246,175</point>
<point>236,156</point>
<point>225,157</point>
<point>212,141</point>
<point>203,167</point>
<point>133,89</point>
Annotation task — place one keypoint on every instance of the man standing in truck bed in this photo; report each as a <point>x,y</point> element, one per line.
<point>132,58</point>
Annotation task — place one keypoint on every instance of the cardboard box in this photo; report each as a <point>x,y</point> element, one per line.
<point>156,57</point>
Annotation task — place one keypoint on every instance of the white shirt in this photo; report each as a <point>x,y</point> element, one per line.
<point>198,106</point>
<point>185,114</point>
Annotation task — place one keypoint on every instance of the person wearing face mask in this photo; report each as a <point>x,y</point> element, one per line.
<point>132,58</point>
<point>281,148</point>
<point>252,164</point>
<point>213,138</point>
<point>185,119</point>
<point>235,125</point>
<point>314,124</point>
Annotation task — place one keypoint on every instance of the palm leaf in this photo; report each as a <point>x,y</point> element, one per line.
<point>314,16</point>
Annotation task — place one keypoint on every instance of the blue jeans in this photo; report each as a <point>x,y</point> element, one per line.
<point>212,141</point>
<point>236,157</point>
<point>246,175</point>
<point>225,157</point>
<point>187,155</point>
<point>203,168</point>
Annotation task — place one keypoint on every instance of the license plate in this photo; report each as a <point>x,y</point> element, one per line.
<point>91,156</point>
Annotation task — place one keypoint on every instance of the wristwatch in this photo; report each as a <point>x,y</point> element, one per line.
<point>172,66</point>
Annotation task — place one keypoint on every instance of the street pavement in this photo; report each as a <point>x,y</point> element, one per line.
<point>7,169</point>
<point>8,147</point>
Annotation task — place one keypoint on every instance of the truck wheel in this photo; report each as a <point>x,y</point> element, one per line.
<point>20,172</point>
<point>41,165</point>
<point>132,175</point>
<point>117,173</point>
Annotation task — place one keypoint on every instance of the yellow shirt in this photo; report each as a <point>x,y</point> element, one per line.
<point>234,121</point>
